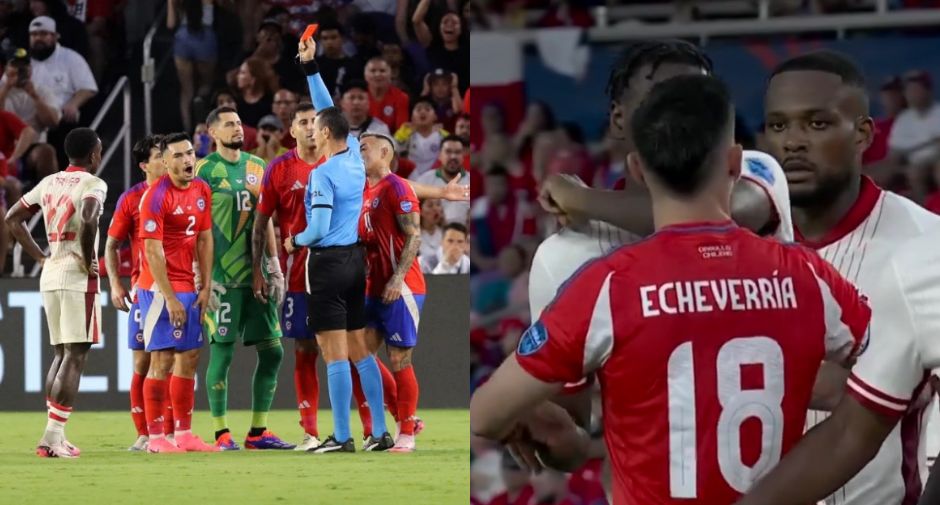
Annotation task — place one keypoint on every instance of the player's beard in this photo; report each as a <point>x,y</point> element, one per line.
<point>827,190</point>
<point>235,144</point>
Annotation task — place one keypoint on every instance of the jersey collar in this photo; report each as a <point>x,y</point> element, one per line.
<point>73,168</point>
<point>701,227</point>
<point>868,194</point>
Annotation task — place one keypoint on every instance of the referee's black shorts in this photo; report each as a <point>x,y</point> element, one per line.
<point>336,288</point>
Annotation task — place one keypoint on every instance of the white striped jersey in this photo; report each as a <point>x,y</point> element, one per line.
<point>859,247</point>
<point>59,196</point>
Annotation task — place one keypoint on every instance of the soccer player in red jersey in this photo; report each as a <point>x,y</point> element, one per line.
<point>125,225</point>
<point>390,227</point>
<point>690,332</point>
<point>175,225</point>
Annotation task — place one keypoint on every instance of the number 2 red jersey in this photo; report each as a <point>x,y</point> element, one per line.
<point>706,340</point>
<point>174,216</point>
<point>382,203</point>
<point>282,191</point>
<point>125,224</point>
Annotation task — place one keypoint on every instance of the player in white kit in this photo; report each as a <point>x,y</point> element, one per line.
<point>71,202</point>
<point>903,352</point>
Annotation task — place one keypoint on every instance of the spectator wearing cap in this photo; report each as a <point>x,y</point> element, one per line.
<point>386,101</point>
<point>195,50</point>
<point>420,139</point>
<point>59,69</point>
<point>451,167</point>
<point>72,32</point>
<point>443,88</point>
<point>31,102</point>
<point>354,103</point>
<point>448,48</point>
<point>336,67</point>
<point>892,103</point>
<point>285,102</point>
<point>915,136</point>
<point>270,131</point>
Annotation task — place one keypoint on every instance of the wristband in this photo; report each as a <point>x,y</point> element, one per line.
<point>310,67</point>
<point>272,265</point>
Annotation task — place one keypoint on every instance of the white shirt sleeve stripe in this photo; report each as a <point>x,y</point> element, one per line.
<point>839,340</point>
<point>600,335</point>
<point>861,390</point>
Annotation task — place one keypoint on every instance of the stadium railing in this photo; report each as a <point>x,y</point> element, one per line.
<point>150,70</point>
<point>121,138</point>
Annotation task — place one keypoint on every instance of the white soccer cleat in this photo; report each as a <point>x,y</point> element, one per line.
<point>54,450</point>
<point>404,443</point>
<point>309,442</point>
<point>140,444</point>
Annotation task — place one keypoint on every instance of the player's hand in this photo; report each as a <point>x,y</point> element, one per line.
<point>307,50</point>
<point>176,310</point>
<point>258,286</point>
<point>289,245</point>
<point>70,113</point>
<point>276,285</point>
<point>452,254</point>
<point>120,297</point>
<point>392,290</point>
<point>214,301</point>
<point>522,449</point>
<point>202,301</point>
<point>454,192</point>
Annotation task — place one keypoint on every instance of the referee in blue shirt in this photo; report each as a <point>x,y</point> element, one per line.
<point>336,276</point>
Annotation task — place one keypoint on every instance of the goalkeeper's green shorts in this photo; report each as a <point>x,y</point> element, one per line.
<point>241,314</point>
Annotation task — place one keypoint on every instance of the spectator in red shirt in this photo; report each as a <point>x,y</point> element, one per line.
<point>386,102</point>
<point>892,101</point>
<point>15,139</point>
<point>562,13</point>
<point>568,155</point>
<point>498,218</point>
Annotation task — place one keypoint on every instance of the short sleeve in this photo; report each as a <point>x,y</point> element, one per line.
<point>95,188</point>
<point>121,221</point>
<point>405,200</point>
<point>269,197</point>
<point>889,367</point>
<point>320,190</point>
<point>206,196</point>
<point>574,335</point>
<point>33,198</point>
<point>542,284</point>
<point>151,214</point>
<point>81,75</point>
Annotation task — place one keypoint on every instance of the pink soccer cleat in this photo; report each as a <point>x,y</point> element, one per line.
<point>54,450</point>
<point>192,443</point>
<point>162,445</point>
<point>404,443</point>
<point>76,452</point>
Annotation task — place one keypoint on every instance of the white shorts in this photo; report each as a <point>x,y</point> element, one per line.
<point>74,317</point>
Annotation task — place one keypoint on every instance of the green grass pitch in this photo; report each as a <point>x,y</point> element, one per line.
<point>438,473</point>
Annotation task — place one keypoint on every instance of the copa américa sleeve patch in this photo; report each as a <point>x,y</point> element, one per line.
<point>533,339</point>
<point>150,226</point>
<point>406,206</point>
<point>759,169</point>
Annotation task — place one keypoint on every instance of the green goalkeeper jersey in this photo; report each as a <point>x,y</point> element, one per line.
<point>235,189</point>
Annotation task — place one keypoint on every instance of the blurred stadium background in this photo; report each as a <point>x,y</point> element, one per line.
<point>539,72</point>
<point>132,67</point>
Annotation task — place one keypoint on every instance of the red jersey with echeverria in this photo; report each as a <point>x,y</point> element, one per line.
<point>706,341</point>
<point>174,216</point>
<point>282,191</point>
<point>125,225</point>
<point>382,203</point>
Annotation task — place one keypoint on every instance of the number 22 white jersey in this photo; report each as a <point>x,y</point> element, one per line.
<point>59,196</point>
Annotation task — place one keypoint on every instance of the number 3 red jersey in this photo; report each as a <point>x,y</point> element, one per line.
<point>174,216</point>
<point>706,340</point>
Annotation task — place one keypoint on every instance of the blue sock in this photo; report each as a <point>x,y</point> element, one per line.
<point>371,380</point>
<point>339,379</point>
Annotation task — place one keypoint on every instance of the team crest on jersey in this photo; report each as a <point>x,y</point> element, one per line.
<point>177,334</point>
<point>252,179</point>
<point>406,206</point>
<point>150,226</point>
<point>533,339</point>
<point>375,203</point>
<point>758,168</point>
<point>201,204</point>
<point>223,330</point>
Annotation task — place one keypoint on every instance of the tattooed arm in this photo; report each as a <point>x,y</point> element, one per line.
<point>408,224</point>
<point>259,232</point>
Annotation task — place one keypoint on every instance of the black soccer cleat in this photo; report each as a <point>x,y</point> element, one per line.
<point>331,445</point>
<point>383,443</point>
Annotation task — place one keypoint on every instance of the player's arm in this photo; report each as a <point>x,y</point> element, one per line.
<point>319,95</point>
<point>319,205</point>
<point>119,295</point>
<point>452,191</point>
<point>258,234</point>
<point>845,443</point>
<point>204,257</point>
<point>16,222</point>
<point>156,259</point>
<point>409,226</point>
<point>91,210</point>
<point>829,386</point>
<point>751,207</point>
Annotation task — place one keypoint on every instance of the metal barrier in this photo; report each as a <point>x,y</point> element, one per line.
<point>121,88</point>
<point>149,72</point>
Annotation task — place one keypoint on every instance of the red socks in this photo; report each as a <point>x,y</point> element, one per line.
<point>137,404</point>
<point>182,396</point>
<point>168,413</point>
<point>407,399</point>
<point>307,387</point>
<point>365,415</point>
<point>389,389</point>
<point>155,400</point>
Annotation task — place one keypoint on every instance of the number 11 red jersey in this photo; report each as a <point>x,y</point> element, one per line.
<point>706,340</point>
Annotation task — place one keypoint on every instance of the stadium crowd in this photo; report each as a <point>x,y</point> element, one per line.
<point>397,68</point>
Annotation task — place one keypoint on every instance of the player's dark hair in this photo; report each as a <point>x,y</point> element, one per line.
<point>831,62</point>
<point>332,118</point>
<point>452,138</point>
<point>678,126</point>
<point>301,107</point>
<point>457,227</point>
<point>80,143</point>
<point>653,53</point>
<point>172,138</point>
<point>143,147</point>
<point>213,116</point>
<point>386,138</point>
